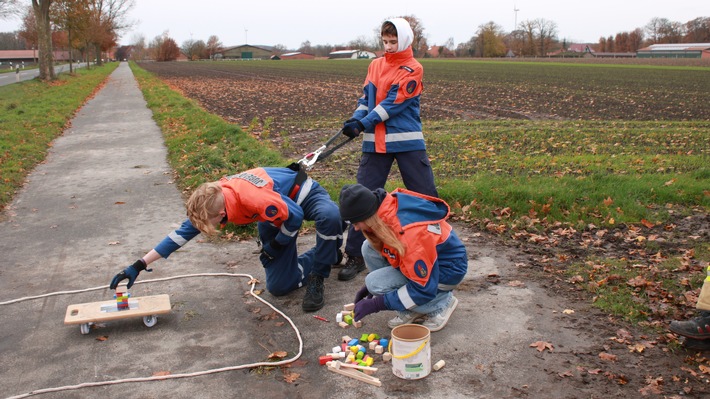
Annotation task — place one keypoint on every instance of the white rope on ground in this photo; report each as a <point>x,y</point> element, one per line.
<point>170,376</point>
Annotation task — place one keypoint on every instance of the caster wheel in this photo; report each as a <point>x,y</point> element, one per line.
<point>150,321</point>
<point>85,328</point>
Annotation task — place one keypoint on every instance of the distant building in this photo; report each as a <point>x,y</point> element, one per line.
<point>297,55</point>
<point>29,56</point>
<point>247,52</point>
<point>676,50</point>
<point>351,54</point>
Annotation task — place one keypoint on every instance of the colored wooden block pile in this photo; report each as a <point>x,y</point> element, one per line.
<point>355,357</point>
<point>121,297</point>
<point>345,318</point>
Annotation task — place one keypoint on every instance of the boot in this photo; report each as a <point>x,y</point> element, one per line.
<point>314,298</point>
<point>697,328</point>
<point>353,266</point>
<point>697,344</point>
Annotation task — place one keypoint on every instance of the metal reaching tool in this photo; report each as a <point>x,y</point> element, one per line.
<point>325,150</point>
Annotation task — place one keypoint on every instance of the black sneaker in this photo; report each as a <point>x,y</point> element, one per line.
<point>314,298</point>
<point>697,328</point>
<point>353,266</point>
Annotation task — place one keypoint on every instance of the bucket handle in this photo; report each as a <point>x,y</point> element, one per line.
<point>419,349</point>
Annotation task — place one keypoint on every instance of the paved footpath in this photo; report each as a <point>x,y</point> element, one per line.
<point>105,196</point>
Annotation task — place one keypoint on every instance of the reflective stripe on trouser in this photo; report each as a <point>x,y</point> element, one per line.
<point>704,297</point>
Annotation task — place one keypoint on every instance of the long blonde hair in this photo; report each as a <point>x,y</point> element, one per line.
<point>205,203</point>
<point>381,235</point>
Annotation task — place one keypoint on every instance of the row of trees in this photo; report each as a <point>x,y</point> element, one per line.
<point>534,38</point>
<point>82,25</point>
<point>539,37</point>
<point>657,31</point>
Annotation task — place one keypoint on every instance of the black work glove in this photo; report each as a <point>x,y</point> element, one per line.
<point>271,249</point>
<point>362,294</point>
<point>352,128</point>
<point>130,273</point>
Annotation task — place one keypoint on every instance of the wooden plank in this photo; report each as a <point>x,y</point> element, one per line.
<point>356,375</point>
<point>91,312</point>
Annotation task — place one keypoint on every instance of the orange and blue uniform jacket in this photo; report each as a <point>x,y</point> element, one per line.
<point>435,258</point>
<point>255,195</point>
<point>389,107</point>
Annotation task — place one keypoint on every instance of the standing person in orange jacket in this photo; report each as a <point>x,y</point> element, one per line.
<point>388,116</point>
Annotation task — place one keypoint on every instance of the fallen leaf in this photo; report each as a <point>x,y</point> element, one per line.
<point>542,345</point>
<point>114,242</point>
<point>278,355</point>
<point>291,377</point>
<point>647,223</point>
<point>608,201</point>
<point>607,356</point>
<point>102,338</point>
<point>161,373</point>
<point>119,203</point>
<point>516,283</point>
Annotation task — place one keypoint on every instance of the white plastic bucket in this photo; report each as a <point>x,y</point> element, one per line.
<point>411,353</point>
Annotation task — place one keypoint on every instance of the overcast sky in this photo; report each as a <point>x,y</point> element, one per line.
<point>292,22</point>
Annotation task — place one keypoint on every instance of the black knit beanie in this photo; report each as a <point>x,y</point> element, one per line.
<point>357,203</point>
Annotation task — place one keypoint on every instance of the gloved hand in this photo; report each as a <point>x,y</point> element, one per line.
<point>271,249</point>
<point>130,273</point>
<point>352,128</point>
<point>362,294</point>
<point>368,306</point>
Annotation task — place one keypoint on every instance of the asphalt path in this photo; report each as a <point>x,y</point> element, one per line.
<point>28,74</point>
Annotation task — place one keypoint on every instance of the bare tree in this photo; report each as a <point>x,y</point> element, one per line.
<point>697,30</point>
<point>546,34</point>
<point>10,8</point>
<point>44,39</point>
<point>109,19</point>
<point>213,46</point>
<point>74,17</point>
<point>164,48</point>
<point>654,28</point>
<point>527,29</point>
<point>194,49</point>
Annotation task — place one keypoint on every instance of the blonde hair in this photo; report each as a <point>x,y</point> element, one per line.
<point>205,203</point>
<point>381,235</point>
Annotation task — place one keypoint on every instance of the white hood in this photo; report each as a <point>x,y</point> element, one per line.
<point>405,35</point>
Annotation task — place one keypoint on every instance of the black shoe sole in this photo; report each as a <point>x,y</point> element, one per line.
<point>312,308</point>
<point>344,277</point>
<point>697,344</point>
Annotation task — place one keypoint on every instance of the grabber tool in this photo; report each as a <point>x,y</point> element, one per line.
<point>330,146</point>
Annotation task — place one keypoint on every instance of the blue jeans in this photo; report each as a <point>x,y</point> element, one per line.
<point>373,171</point>
<point>384,278</point>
